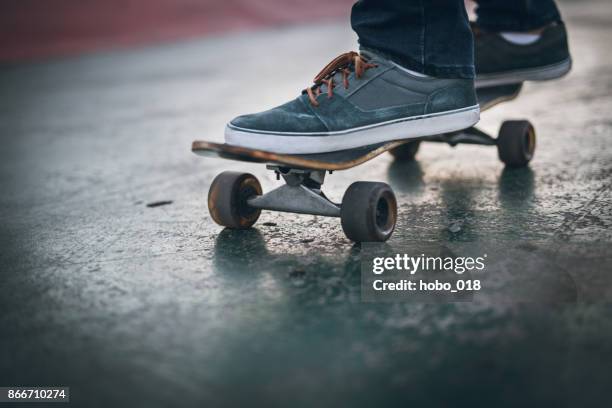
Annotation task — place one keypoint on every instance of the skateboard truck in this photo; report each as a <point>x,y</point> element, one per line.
<point>368,211</point>
<point>301,194</point>
<point>472,135</point>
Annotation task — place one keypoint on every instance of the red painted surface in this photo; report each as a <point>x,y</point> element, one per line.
<point>35,29</point>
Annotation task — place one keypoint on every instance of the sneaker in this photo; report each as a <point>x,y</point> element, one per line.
<point>359,100</point>
<point>501,62</point>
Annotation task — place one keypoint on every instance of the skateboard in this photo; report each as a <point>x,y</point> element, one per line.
<point>368,211</point>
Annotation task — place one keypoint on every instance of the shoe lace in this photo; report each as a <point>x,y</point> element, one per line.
<point>341,64</point>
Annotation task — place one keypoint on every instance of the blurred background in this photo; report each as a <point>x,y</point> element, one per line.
<point>34,29</point>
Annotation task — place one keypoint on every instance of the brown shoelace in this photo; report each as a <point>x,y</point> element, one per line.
<point>338,64</point>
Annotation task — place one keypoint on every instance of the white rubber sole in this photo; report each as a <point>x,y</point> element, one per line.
<point>398,129</point>
<point>514,77</point>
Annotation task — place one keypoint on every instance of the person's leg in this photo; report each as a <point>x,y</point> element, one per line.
<point>431,36</point>
<point>519,40</point>
<point>413,78</point>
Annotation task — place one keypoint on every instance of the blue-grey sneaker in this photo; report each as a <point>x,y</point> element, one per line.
<point>359,100</point>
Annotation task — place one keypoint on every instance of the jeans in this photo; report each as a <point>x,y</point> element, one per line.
<point>434,36</point>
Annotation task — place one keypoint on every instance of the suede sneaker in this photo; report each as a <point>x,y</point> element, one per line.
<point>502,62</point>
<point>359,100</point>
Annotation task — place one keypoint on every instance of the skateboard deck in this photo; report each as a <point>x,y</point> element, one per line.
<point>343,159</point>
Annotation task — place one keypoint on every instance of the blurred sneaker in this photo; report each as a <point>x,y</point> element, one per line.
<point>509,58</point>
<point>359,100</point>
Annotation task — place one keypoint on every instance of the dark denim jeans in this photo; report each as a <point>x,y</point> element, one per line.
<point>434,36</point>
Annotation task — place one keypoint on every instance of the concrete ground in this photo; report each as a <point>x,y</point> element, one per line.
<point>132,305</point>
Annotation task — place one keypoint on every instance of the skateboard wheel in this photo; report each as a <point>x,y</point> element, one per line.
<point>368,212</point>
<point>516,143</point>
<point>227,199</point>
<point>406,151</point>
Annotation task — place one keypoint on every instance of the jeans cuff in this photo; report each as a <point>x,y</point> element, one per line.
<point>438,71</point>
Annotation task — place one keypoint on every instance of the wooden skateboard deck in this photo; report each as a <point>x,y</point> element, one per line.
<point>343,159</point>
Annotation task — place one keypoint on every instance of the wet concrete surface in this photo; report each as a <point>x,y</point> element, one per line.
<point>133,304</point>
